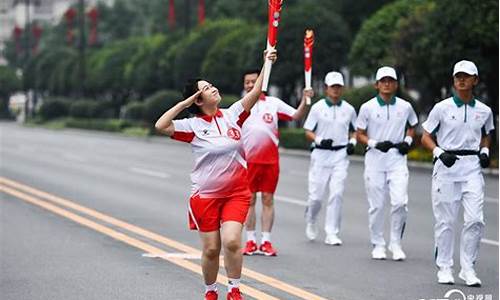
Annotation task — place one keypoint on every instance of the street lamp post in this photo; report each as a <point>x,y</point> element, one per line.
<point>27,41</point>
<point>81,47</point>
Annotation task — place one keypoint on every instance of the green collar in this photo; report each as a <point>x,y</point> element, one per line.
<point>459,102</point>
<point>329,102</point>
<point>382,102</point>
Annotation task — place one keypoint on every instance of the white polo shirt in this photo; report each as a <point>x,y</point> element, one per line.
<point>331,121</point>
<point>385,122</point>
<point>220,166</point>
<point>260,130</point>
<point>459,126</point>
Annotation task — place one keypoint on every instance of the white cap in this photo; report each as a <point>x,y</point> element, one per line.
<point>465,66</point>
<point>386,72</point>
<point>333,78</point>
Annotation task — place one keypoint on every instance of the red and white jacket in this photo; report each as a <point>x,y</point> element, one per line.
<point>220,165</point>
<point>260,131</point>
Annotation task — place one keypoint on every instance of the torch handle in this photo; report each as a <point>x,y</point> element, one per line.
<point>268,64</point>
<point>307,77</point>
<point>267,73</point>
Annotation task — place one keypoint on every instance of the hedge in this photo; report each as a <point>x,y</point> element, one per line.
<point>54,108</point>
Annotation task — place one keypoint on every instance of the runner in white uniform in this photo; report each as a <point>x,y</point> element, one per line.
<point>220,196</point>
<point>260,140</point>
<point>328,126</point>
<point>461,126</point>
<point>382,126</point>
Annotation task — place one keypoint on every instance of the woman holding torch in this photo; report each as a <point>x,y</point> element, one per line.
<point>220,196</point>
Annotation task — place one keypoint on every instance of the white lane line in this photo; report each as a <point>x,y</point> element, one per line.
<point>489,242</point>
<point>491,199</point>
<point>290,200</point>
<point>304,203</point>
<point>172,255</point>
<point>73,157</point>
<point>150,172</point>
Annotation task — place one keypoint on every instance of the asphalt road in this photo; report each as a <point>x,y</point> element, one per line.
<point>53,249</point>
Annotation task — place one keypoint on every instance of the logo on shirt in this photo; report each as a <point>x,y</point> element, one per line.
<point>267,117</point>
<point>234,133</point>
<point>205,132</point>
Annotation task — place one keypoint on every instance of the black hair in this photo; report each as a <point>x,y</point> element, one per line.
<point>250,71</point>
<point>190,88</point>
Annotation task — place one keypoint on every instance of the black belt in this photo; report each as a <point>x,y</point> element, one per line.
<point>463,152</point>
<point>459,153</point>
<point>332,148</point>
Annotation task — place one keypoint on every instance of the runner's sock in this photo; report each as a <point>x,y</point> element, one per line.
<point>211,287</point>
<point>251,235</point>
<point>233,283</point>
<point>266,237</point>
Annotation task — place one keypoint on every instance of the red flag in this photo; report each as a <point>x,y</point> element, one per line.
<point>69,15</point>
<point>37,33</point>
<point>93,15</point>
<point>17,32</point>
<point>201,12</point>
<point>274,20</point>
<point>171,14</point>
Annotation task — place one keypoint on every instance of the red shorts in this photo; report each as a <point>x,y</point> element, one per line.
<point>263,177</point>
<point>207,214</point>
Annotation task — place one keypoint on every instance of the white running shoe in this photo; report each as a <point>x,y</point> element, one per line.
<point>378,252</point>
<point>470,277</point>
<point>397,252</point>
<point>311,231</point>
<point>333,239</point>
<point>445,275</point>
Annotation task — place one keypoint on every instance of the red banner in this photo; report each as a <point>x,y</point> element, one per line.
<point>93,15</point>
<point>308,49</point>
<point>171,14</point>
<point>37,34</point>
<point>69,15</point>
<point>274,21</point>
<point>17,32</point>
<point>201,12</point>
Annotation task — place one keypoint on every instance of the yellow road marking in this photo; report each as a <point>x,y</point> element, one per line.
<point>128,240</point>
<point>270,281</point>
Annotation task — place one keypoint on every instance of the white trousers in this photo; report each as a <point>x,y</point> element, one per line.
<point>446,199</point>
<point>321,177</point>
<point>378,186</point>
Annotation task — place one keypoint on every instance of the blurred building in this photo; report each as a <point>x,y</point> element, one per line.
<point>14,13</point>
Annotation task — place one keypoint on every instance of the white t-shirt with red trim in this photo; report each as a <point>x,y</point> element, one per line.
<point>260,131</point>
<point>220,165</point>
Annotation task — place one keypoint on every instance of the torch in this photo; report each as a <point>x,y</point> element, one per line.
<point>308,52</point>
<point>274,10</point>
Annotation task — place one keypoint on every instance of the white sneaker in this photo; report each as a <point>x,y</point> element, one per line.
<point>445,276</point>
<point>311,231</point>
<point>378,252</point>
<point>333,239</point>
<point>470,277</point>
<point>397,252</point>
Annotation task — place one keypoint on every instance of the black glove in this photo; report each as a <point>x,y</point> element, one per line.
<point>326,143</point>
<point>448,159</point>
<point>350,149</point>
<point>384,146</point>
<point>403,148</point>
<point>484,160</point>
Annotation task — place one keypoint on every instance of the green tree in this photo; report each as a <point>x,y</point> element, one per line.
<point>231,55</point>
<point>372,46</point>
<point>186,57</point>
<point>332,39</point>
<point>145,71</point>
<point>450,32</point>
